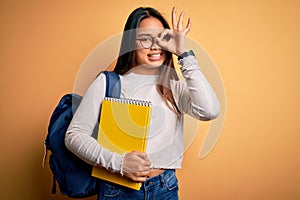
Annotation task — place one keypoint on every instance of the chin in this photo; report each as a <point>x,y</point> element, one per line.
<point>155,65</point>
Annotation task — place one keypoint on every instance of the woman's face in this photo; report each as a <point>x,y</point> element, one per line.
<point>149,57</point>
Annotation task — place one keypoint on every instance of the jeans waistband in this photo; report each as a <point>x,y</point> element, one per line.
<point>159,179</point>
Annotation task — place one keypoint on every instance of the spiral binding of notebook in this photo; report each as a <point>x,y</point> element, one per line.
<point>129,101</point>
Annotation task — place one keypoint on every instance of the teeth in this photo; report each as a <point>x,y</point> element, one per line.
<point>155,55</point>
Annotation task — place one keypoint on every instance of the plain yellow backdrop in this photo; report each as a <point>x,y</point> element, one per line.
<point>254,44</point>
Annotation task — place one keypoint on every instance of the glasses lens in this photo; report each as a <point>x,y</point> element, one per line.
<point>146,42</point>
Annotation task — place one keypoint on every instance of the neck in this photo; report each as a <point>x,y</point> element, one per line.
<point>145,69</point>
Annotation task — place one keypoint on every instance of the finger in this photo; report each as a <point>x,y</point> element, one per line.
<point>143,174</point>
<point>140,179</point>
<point>136,178</point>
<point>180,22</point>
<point>142,155</point>
<point>146,163</point>
<point>188,26</point>
<point>174,20</point>
<point>166,35</point>
<point>139,154</point>
<point>144,160</point>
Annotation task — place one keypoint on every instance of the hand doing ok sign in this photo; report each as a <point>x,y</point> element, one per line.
<point>174,40</point>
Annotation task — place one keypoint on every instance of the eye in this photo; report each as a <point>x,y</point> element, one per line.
<point>146,39</point>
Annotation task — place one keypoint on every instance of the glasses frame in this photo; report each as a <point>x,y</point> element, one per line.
<point>152,41</point>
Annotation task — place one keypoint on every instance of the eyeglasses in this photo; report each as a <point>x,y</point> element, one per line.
<point>146,42</point>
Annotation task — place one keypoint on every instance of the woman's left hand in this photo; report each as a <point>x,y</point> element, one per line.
<point>174,40</point>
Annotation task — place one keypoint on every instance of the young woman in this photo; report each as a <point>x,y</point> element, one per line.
<point>146,70</point>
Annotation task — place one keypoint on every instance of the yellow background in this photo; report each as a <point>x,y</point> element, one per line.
<point>255,45</point>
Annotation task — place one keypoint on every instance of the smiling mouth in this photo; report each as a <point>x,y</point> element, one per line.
<point>155,57</point>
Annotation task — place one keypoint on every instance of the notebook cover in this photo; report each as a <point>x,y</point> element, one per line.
<point>123,128</point>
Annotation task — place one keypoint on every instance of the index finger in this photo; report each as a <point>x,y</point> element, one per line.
<point>142,155</point>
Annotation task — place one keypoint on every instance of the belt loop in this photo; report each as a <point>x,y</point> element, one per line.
<point>162,179</point>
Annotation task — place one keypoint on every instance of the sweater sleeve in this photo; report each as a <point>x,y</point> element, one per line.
<point>197,97</point>
<point>78,138</point>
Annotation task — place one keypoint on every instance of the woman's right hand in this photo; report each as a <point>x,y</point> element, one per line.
<point>136,166</point>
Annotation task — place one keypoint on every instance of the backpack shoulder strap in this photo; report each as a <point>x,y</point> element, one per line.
<point>113,84</point>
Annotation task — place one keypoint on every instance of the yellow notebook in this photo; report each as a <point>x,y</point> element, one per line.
<point>123,128</point>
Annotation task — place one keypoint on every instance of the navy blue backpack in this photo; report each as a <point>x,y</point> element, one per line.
<point>71,173</point>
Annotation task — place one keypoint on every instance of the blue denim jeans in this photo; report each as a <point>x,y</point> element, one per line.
<point>161,187</point>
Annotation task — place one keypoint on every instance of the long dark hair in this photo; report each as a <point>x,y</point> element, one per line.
<point>126,57</point>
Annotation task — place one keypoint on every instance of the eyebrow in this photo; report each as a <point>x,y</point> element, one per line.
<point>144,34</point>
